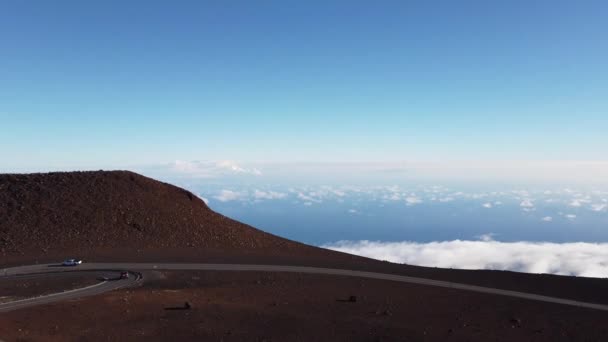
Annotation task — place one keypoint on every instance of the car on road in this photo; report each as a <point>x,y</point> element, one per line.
<point>124,275</point>
<point>71,262</point>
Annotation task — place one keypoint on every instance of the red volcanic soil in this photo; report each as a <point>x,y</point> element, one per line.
<point>251,306</point>
<point>123,216</point>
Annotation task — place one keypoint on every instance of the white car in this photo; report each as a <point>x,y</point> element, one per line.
<point>71,262</point>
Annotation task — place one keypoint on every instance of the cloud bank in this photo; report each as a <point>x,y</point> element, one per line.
<point>207,169</point>
<point>268,195</point>
<point>558,172</point>
<point>578,258</point>
<point>229,195</point>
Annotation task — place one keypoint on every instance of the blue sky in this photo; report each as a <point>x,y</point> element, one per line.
<point>113,84</point>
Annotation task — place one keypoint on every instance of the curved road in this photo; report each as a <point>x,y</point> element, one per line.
<point>136,278</point>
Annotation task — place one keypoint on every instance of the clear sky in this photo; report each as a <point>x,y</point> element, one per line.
<point>110,84</point>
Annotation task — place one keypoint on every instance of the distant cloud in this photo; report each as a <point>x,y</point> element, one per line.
<point>575,203</point>
<point>229,195</point>
<point>599,207</point>
<point>393,197</point>
<point>561,171</point>
<point>578,202</point>
<point>308,198</point>
<point>352,211</point>
<point>338,193</point>
<point>526,203</point>
<point>412,200</point>
<point>208,169</point>
<point>487,205</point>
<point>547,219</point>
<point>234,167</point>
<point>486,237</point>
<point>580,259</point>
<point>268,195</point>
<point>571,216</point>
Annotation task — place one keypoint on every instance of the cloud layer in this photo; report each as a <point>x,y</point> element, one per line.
<point>579,172</point>
<point>579,259</point>
<point>207,169</point>
<point>229,195</point>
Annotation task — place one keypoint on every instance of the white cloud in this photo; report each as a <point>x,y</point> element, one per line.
<point>268,195</point>
<point>580,259</point>
<point>571,216</point>
<point>308,204</point>
<point>487,205</point>
<point>599,207</point>
<point>559,171</point>
<point>486,237</point>
<point>412,200</point>
<point>234,167</point>
<point>308,198</point>
<point>209,169</point>
<point>547,219</point>
<point>229,195</point>
<point>446,199</point>
<point>393,197</point>
<point>338,193</point>
<point>352,211</point>
<point>526,203</point>
<point>578,202</point>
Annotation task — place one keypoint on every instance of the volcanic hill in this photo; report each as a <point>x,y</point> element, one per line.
<point>100,210</point>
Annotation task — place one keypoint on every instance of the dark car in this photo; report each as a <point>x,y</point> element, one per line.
<point>71,262</point>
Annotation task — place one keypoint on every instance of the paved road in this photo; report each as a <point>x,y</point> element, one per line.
<point>136,267</point>
<point>49,271</point>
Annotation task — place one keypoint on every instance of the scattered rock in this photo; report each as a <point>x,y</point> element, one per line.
<point>515,322</point>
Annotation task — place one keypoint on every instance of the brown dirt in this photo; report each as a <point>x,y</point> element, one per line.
<point>242,306</point>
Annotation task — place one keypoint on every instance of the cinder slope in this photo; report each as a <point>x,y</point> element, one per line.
<point>77,211</point>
